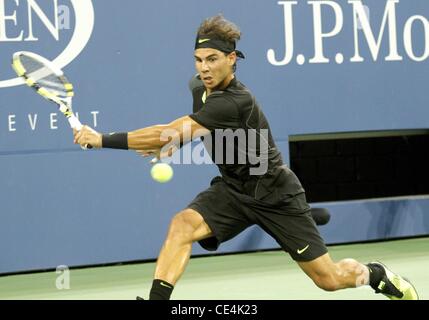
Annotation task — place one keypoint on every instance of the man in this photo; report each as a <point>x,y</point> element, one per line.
<point>272,198</point>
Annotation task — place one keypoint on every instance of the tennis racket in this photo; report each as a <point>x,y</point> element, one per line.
<point>48,81</point>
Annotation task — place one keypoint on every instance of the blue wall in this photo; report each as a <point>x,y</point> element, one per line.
<point>62,205</point>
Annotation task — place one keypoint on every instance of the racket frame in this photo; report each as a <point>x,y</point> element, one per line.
<point>64,103</point>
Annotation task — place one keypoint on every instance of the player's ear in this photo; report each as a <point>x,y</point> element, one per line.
<point>232,58</point>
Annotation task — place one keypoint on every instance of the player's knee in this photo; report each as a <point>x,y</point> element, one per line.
<point>181,228</point>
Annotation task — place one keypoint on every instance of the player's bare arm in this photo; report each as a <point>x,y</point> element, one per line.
<point>149,140</point>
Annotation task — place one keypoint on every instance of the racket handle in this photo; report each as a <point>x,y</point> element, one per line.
<point>76,124</point>
<point>86,147</point>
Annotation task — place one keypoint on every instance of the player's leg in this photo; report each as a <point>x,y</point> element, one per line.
<point>185,228</point>
<point>331,276</point>
<point>294,229</point>
<point>211,218</point>
<point>349,273</point>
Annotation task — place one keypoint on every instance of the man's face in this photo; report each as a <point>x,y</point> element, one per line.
<point>214,67</point>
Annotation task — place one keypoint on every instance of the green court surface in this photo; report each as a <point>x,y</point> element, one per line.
<point>269,275</point>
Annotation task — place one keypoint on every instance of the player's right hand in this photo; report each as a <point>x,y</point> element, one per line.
<point>87,136</point>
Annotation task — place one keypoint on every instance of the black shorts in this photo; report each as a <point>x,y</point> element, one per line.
<point>228,212</point>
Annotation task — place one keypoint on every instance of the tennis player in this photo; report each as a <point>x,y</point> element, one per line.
<point>273,199</point>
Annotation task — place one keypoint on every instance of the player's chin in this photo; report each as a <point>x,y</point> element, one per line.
<point>210,84</point>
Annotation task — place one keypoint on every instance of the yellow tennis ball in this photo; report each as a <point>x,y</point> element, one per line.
<point>161,172</point>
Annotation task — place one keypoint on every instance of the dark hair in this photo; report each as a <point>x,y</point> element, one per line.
<point>220,28</point>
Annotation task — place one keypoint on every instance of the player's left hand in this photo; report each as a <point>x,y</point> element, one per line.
<point>87,136</point>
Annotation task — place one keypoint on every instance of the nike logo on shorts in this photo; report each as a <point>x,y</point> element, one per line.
<point>300,251</point>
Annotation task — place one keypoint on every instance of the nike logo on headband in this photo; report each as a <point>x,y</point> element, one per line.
<point>203,40</point>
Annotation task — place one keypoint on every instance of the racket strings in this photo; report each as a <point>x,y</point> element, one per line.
<point>45,78</point>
